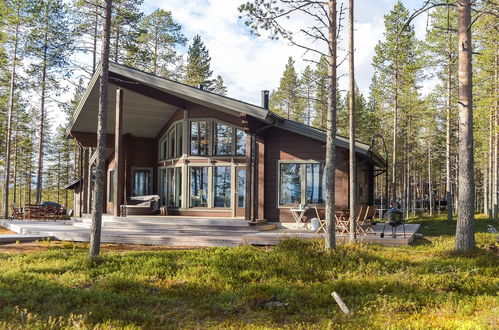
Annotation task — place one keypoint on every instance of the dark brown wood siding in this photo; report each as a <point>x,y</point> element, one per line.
<point>285,145</point>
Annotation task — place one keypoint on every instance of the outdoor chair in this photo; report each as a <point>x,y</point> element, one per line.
<point>365,221</point>
<point>34,211</point>
<point>17,213</point>
<point>51,212</point>
<point>342,222</point>
<point>322,220</point>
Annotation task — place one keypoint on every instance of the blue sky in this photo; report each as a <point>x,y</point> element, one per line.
<point>250,64</point>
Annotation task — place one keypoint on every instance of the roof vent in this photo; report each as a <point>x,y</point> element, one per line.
<point>265,99</point>
<point>201,86</point>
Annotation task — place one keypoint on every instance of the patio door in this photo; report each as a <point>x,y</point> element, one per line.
<point>240,191</point>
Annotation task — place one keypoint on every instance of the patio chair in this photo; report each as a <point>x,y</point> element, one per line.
<point>342,223</point>
<point>322,220</point>
<point>365,221</point>
<point>34,211</point>
<point>17,213</point>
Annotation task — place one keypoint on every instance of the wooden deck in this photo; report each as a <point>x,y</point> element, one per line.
<point>183,231</point>
<point>273,237</point>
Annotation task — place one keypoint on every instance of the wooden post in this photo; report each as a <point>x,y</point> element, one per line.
<point>119,154</point>
<point>249,161</point>
<point>260,178</point>
<point>86,181</point>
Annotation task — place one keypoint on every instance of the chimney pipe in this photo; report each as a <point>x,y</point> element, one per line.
<point>201,86</point>
<point>265,99</point>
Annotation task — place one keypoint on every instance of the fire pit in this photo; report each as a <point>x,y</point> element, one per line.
<point>394,217</point>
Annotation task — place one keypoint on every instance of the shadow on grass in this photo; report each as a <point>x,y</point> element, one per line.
<point>231,285</point>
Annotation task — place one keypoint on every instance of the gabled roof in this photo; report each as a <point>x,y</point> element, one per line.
<point>205,98</point>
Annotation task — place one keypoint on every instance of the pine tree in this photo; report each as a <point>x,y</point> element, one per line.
<point>395,66</point>
<point>15,19</point>
<point>440,43</point>
<point>124,28</point>
<point>156,44</point>
<point>50,46</point>
<point>219,86</point>
<point>321,92</point>
<point>307,91</point>
<point>86,15</point>
<point>197,69</point>
<point>286,101</point>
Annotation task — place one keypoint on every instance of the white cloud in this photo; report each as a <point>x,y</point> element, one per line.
<point>249,64</point>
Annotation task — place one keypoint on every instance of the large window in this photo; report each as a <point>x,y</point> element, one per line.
<point>110,195</point>
<point>221,186</point>
<point>141,184</point>
<point>170,186</point>
<point>302,183</point>
<point>162,186</point>
<point>200,138</point>
<point>178,139</point>
<point>241,187</point>
<point>223,139</point>
<point>240,142</point>
<point>199,186</point>
<point>290,183</point>
<point>316,183</point>
<point>171,145</point>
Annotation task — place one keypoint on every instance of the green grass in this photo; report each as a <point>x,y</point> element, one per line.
<point>422,286</point>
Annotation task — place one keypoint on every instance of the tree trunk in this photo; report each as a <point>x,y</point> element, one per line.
<point>394,143</point>
<point>16,165</point>
<point>495,192</point>
<point>331,129</point>
<point>465,230</point>
<point>95,233</point>
<point>448,194</point>
<point>94,50</point>
<point>351,103</point>
<point>430,187</point>
<point>42,120</point>
<point>9,126</point>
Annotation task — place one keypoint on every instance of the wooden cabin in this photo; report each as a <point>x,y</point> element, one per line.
<point>207,155</point>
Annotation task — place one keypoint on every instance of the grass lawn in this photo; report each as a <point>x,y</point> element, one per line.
<point>425,285</point>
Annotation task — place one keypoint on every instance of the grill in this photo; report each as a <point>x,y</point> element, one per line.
<point>394,217</point>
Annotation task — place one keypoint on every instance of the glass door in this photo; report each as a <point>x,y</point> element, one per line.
<point>240,191</point>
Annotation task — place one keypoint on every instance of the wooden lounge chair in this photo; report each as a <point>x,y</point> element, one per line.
<point>17,213</point>
<point>365,221</point>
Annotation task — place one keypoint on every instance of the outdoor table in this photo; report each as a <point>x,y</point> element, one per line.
<point>298,214</point>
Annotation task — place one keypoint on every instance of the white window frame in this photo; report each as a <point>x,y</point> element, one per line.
<point>165,139</point>
<point>303,183</point>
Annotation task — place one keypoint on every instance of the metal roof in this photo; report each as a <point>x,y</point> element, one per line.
<point>145,116</point>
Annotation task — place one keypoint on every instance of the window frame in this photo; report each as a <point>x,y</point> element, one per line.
<point>303,183</point>
<point>132,183</point>
<point>163,153</point>
<point>110,185</point>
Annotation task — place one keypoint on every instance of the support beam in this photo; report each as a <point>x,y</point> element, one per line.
<point>260,178</point>
<point>85,181</point>
<point>119,155</point>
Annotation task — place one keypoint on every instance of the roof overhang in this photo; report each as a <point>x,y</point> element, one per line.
<point>317,134</point>
<point>148,102</point>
